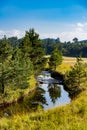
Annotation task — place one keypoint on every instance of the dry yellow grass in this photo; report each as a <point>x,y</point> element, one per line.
<point>72,60</point>
<point>67,63</point>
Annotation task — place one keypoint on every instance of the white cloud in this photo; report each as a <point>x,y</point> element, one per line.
<point>80,25</point>
<point>11,33</point>
<point>66,32</point>
<point>78,30</point>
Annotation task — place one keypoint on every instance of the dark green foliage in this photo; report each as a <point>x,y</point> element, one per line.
<point>75,78</point>
<point>25,45</point>
<point>13,41</point>
<point>15,67</point>
<point>54,92</point>
<point>72,49</point>
<point>15,60</point>
<point>22,69</point>
<point>5,60</point>
<point>33,47</point>
<point>48,45</point>
<point>55,59</point>
<point>75,40</point>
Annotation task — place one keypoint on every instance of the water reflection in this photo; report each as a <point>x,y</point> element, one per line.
<point>27,104</point>
<point>44,96</point>
<point>38,98</point>
<point>54,92</point>
<point>55,95</point>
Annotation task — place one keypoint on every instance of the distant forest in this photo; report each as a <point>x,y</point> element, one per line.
<point>73,49</point>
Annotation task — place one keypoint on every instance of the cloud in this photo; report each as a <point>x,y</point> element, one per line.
<point>80,25</point>
<point>65,32</point>
<point>78,30</point>
<point>11,33</point>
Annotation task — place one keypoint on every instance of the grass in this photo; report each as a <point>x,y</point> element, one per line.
<point>67,63</point>
<point>12,94</point>
<point>69,117</point>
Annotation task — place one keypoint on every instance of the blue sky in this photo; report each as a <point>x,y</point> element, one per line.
<point>50,18</point>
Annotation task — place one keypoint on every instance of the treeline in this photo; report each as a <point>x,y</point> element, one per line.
<point>72,49</point>
<point>19,59</point>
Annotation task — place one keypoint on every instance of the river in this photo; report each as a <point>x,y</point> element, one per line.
<point>53,92</point>
<point>48,94</point>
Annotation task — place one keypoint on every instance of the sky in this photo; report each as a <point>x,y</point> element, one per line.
<point>65,19</point>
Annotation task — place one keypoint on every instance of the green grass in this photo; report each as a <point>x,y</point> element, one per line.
<point>12,94</point>
<point>69,117</point>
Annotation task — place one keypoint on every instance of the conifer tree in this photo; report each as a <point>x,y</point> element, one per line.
<point>76,77</point>
<point>22,69</point>
<point>15,67</point>
<point>55,59</point>
<point>33,47</point>
<point>5,60</point>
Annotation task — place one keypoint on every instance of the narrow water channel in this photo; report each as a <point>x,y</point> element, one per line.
<point>54,93</point>
<point>48,94</point>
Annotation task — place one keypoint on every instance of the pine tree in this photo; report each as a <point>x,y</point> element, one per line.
<point>33,47</point>
<point>76,77</point>
<point>55,59</point>
<point>15,67</point>
<point>5,60</point>
<point>22,69</point>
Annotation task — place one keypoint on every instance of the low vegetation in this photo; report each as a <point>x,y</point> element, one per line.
<point>12,94</point>
<point>69,117</point>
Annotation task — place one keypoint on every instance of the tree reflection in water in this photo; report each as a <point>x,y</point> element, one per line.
<point>54,92</point>
<point>38,98</point>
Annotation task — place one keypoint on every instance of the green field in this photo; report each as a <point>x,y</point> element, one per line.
<point>69,117</point>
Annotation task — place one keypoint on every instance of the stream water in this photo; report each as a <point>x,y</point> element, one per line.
<point>48,94</point>
<point>53,93</point>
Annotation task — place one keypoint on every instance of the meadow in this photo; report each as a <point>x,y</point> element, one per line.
<point>67,63</point>
<point>69,117</point>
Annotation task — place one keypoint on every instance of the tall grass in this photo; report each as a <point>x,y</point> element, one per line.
<point>67,63</point>
<point>13,93</point>
<point>69,117</point>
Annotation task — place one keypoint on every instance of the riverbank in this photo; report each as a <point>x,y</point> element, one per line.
<point>13,96</point>
<point>69,117</point>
